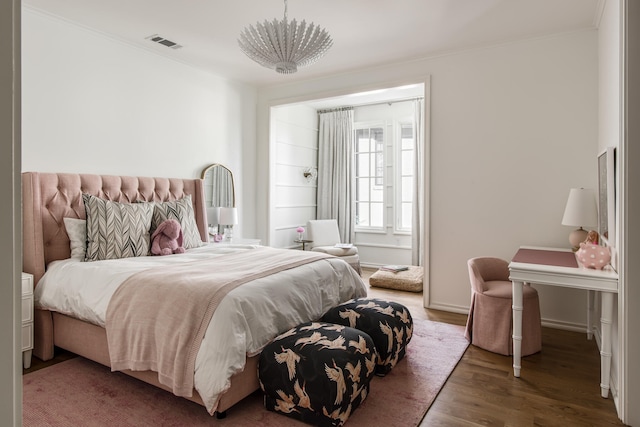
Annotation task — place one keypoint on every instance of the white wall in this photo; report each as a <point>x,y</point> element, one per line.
<point>513,128</point>
<point>295,130</point>
<point>93,104</point>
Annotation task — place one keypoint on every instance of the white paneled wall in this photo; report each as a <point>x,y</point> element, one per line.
<point>295,129</point>
<point>295,196</point>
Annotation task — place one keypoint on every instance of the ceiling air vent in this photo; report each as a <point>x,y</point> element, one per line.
<point>161,40</point>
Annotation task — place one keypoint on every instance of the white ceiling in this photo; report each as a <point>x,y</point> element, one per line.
<point>366,33</point>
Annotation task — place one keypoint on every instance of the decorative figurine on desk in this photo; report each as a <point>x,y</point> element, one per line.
<point>592,237</point>
<point>592,255</point>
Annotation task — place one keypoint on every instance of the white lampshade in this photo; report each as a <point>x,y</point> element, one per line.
<point>581,209</point>
<point>213,215</point>
<point>228,216</point>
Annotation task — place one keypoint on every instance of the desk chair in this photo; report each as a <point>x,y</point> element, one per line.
<point>490,321</point>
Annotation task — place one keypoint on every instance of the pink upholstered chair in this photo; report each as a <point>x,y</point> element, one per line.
<point>490,321</point>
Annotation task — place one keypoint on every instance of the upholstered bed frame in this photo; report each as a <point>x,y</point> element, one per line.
<point>47,198</point>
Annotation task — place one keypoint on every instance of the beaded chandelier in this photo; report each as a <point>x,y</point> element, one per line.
<point>284,46</point>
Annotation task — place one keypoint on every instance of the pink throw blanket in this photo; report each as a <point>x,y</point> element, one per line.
<point>157,318</point>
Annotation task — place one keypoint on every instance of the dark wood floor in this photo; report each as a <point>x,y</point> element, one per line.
<point>60,356</point>
<point>558,386</point>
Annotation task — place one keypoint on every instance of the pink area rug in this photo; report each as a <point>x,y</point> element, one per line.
<point>79,392</point>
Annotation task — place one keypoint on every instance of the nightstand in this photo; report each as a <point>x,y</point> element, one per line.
<point>27,319</point>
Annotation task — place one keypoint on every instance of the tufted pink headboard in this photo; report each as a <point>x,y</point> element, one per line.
<point>49,197</point>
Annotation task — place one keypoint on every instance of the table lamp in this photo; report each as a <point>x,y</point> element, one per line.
<point>581,211</point>
<point>228,218</point>
<point>213,215</point>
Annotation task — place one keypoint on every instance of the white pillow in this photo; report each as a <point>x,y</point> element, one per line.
<point>77,232</point>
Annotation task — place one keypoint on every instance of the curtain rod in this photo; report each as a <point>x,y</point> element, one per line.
<point>390,102</point>
<point>328,110</point>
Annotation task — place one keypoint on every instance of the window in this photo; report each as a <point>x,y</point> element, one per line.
<point>370,164</point>
<point>384,176</point>
<point>405,179</point>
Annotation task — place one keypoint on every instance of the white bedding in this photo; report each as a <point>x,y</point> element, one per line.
<point>244,322</point>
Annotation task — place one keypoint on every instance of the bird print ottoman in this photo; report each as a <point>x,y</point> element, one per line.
<point>388,323</point>
<point>318,373</point>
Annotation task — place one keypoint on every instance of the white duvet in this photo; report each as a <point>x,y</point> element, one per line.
<point>244,322</point>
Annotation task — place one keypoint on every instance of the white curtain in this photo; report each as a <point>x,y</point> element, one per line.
<point>335,170</point>
<point>417,234</point>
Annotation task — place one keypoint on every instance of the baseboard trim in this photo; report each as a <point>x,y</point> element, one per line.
<point>567,326</point>
<point>549,323</point>
<point>450,308</point>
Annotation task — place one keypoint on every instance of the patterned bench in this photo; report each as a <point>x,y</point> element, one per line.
<point>388,323</point>
<point>318,373</point>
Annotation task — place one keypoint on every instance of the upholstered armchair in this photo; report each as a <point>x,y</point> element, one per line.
<point>490,321</point>
<point>324,234</point>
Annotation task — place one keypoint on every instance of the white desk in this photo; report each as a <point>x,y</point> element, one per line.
<point>548,266</point>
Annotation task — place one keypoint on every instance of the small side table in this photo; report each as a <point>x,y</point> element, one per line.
<point>27,319</point>
<point>303,241</point>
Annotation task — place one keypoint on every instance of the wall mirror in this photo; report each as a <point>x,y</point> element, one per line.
<point>218,186</point>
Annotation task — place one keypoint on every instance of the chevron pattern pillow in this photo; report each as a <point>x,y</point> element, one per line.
<point>182,211</point>
<point>116,230</point>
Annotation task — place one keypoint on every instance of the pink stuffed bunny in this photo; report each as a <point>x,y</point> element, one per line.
<point>167,239</point>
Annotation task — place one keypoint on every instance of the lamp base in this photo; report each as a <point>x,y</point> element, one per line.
<point>576,237</point>
<point>228,234</point>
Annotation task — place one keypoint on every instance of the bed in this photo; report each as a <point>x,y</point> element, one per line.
<point>300,288</point>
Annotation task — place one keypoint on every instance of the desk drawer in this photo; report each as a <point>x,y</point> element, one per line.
<point>27,284</point>
<point>27,315</point>
<point>27,309</point>
<point>27,336</point>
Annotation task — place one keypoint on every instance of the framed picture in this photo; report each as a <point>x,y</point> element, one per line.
<point>606,196</point>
